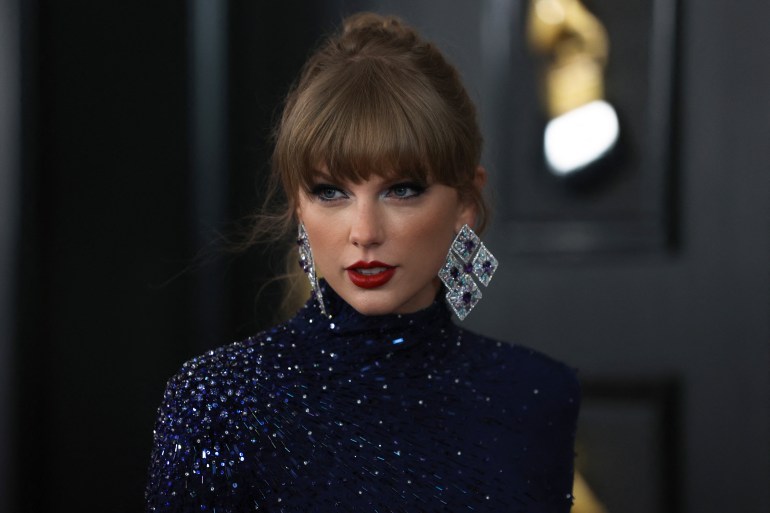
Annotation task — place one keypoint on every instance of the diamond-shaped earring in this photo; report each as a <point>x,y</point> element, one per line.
<point>462,266</point>
<point>308,266</point>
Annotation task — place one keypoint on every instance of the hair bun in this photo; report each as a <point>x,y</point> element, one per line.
<point>370,22</point>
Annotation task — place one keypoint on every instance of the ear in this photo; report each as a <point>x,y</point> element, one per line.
<point>298,211</point>
<point>469,211</point>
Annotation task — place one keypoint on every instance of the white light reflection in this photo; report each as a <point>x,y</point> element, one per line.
<point>579,137</point>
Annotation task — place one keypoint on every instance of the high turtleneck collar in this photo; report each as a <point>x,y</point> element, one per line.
<point>356,336</point>
<point>345,320</point>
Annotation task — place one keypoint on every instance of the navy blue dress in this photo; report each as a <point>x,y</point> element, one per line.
<point>367,414</point>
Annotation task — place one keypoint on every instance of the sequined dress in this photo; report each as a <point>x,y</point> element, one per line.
<point>378,414</point>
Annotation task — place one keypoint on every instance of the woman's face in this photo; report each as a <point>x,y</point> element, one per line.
<point>380,243</point>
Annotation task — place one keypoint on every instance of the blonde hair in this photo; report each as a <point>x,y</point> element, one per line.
<point>375,98</point>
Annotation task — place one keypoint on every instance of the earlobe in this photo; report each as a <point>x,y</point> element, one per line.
<point>480,178</point>
<point>298,214</point>
<point>297,204</point>
<point>467,216</point>
<point>469,211</point>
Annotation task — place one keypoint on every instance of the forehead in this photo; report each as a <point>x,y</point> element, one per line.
<point>369,175</point>
<point>367,124</point>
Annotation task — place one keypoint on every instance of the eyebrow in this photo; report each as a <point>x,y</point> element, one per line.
<point>317,174</point>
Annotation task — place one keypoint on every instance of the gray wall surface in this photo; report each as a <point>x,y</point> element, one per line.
<point>10,141</point>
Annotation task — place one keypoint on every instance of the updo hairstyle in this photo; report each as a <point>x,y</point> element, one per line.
<point>377,98</point>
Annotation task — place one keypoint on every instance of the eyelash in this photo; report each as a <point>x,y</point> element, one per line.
<point>320,189</point>
<point>417,190</point>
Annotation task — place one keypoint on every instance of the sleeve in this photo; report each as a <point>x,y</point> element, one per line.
<point>550,455</point>
<point>194,465</point>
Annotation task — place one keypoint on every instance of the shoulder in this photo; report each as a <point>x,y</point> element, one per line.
<point>232,360</point>
<point>201,376</point>
<point>219,377</point>
<point>206,392</point>
<point>527,370</point>
<point>210,419</point>
<point>213,393</point>
<point>542,398</point>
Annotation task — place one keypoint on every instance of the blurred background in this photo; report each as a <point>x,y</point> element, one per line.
<point>134,134</point>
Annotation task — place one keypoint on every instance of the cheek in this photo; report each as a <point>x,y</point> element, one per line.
<point>322,235</point>
<point>432,234</point>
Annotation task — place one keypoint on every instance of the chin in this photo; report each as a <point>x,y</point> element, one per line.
<point>394,298</point>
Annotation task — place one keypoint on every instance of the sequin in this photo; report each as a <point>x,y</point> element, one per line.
<point>416,414</point>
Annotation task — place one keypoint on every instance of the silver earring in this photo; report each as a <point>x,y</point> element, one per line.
<point>308,266</point>
<point>461,266</point>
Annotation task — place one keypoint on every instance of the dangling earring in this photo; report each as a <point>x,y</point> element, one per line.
<point>461,266</point>
<point>308,266</point>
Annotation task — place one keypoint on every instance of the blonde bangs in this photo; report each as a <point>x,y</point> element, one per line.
<point>370,118</point>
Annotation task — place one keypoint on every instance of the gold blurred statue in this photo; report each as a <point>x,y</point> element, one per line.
<point>576,46</point>
<point>583,127</point>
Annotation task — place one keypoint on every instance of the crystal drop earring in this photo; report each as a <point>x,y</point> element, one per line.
<point>467,258</point>
<point>308,266</point>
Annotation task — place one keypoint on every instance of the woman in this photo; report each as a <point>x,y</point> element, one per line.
<point>370,398</point>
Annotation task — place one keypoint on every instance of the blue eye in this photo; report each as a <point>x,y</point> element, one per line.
<point>326,192</point>
<point>406,190</point>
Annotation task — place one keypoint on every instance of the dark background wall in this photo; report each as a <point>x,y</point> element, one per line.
<point>101,180</point>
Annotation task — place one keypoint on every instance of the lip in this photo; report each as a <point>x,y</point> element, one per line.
<point>370,281</point>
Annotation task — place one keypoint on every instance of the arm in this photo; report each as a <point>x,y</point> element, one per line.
<point>173,457</point>
<point>550,455</point>
<point>194,461</point>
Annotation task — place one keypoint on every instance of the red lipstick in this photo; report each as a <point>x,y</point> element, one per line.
<point>369,275</point>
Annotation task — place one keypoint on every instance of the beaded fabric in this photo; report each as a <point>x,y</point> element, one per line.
<point>389,413</point>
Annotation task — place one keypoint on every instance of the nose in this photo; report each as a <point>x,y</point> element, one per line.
<point>367,229</point>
